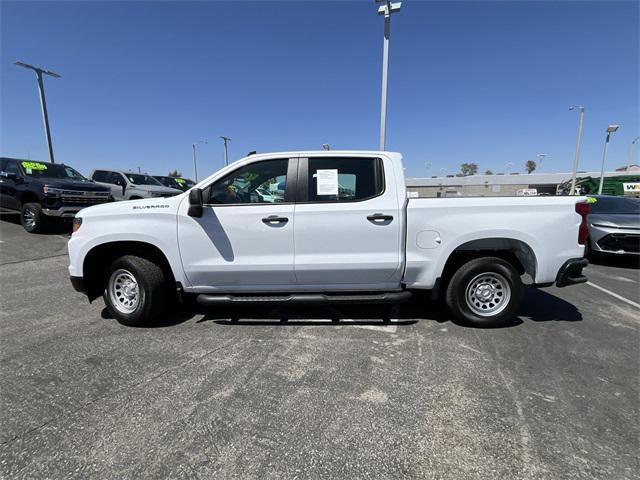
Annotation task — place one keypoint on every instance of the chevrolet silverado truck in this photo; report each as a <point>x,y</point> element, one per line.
<point>45,192</point>
<point>336,227</point>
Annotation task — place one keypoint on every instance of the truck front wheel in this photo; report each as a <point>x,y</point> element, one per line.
<point>485,292</point>
<point>32,218</point>
<point>136,291</point>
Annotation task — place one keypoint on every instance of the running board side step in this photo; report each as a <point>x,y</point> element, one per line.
<point>207,299</point>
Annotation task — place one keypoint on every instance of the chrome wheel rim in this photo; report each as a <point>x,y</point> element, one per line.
<point>488,294</point>
<point>124,292</point>
<point>29,218</point>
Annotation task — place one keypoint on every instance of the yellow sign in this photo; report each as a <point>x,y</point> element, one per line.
<point>34,166</point>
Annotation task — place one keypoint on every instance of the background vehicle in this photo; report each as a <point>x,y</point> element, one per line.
<point>343,231</point>
<point>183,184</point>
<point>42,191</point>
<point>132,186</point>
<point>614,225</point>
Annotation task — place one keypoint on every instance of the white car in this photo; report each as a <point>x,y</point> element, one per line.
<point>344,231</point>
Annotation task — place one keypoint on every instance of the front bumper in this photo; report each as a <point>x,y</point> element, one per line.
<point>64,212</point>
<point>571,272</point>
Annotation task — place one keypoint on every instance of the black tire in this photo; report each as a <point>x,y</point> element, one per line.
<point>32,218</point>
<point>153,291</point>
<point>498,289</point>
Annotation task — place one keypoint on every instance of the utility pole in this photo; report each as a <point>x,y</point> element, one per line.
<point>195,163</point>
<point>386,9</point>
<point>610,130</point>
<point>226,152</point>
<point>631,152</point>
<point>43,102</point>
<point>574,173</point>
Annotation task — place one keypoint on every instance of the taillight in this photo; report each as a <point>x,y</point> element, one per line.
<point>583,209</point>
<point>77,222</point>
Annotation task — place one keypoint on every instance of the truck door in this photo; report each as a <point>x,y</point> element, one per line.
<point>9,174</point>
<point>244,240</point>
<point>348,223</point>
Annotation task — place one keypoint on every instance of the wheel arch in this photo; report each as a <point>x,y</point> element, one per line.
<point>28,197</point>
<point>97,261</point>
<point>515,251</point>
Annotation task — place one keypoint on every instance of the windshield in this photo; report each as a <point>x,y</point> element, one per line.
<point>51,170</point>
<point>139,179</point>
<point>615,205</point>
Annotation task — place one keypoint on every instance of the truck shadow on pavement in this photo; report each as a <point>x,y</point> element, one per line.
<point>61,227</point>
<point>538,306</point>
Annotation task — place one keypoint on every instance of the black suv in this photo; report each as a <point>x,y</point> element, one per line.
<point>41,191</point>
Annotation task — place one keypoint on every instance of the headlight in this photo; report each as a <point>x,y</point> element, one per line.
<point>77,222</point>
<point>52,191</point>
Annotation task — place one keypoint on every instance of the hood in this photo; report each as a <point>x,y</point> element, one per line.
<point>71,184</point>
<point>616,220</point>
<point>133,207</point>
<point>158,188</point>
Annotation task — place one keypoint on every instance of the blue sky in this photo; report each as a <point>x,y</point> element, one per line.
<point>483,82</point>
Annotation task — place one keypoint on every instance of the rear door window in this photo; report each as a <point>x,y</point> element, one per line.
<point>344,179</point>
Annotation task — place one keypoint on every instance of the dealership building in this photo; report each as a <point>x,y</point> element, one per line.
<point>500,184</point>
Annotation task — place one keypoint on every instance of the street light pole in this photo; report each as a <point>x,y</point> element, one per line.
<point>610,130</point>
<point>226,153</point>
<point>43,102</point>
<point>195,164</point>
<point>387,9</point>
<point>578,142</point>
<point>631,152</point>
<point>541,157</point>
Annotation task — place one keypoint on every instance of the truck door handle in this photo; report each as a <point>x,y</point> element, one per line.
<point>274,220</point>
<point>379,218</point>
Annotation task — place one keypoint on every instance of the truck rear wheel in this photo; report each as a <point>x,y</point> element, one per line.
<point>485,292</point>
<point>32,218</point>
<point>136,292</point>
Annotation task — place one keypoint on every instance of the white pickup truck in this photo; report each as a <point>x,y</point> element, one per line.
<point>305,227</point>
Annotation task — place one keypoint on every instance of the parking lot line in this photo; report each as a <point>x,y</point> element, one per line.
<point>615,295</point>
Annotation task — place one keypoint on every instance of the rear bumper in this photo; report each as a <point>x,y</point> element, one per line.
<point>571,272</point>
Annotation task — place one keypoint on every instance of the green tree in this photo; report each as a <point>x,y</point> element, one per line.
<point>469,169</point>
<point>175,174</point>
<point>488,172</point>
<point>530,166</point>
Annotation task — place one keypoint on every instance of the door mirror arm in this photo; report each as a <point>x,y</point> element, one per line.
<point>195,203</point>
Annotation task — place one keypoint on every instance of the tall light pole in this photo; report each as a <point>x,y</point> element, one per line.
<point>610,130</point>
<point>541,157</point>
<point>195,164</point>
<point>578,142</point>
<point>226,153</point>
<point>631,152</point>
<point>509,165</point>
<point>43,102</point>
<point>386,9</point>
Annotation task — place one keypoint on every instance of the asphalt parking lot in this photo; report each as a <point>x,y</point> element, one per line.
<point>328,393</point>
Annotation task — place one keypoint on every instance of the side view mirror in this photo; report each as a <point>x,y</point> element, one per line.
<point>195,202</point>
<point>9,175</point>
